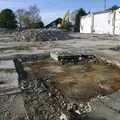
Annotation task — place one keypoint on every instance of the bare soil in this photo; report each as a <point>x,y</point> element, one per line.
<point>79,82</point>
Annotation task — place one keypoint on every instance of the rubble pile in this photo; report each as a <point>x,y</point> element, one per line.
<point>33,57</point>
<point>42,35</point>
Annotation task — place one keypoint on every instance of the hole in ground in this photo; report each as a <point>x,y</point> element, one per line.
<point>79,82</point>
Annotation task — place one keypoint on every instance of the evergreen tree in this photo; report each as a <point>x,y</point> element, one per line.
<point>81,12</point>
<point>8,19</point>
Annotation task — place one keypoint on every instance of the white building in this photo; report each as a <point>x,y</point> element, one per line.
<point>117,21</point>
<point>86,23</point>
<point>106,22</point>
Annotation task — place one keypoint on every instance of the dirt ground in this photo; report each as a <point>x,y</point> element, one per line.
<point>79,82</point>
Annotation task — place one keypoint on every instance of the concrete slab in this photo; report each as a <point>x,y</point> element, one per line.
<point>104,111</point>
<point>6,64</point>
<point>12,107</point>
<point>10,80</point>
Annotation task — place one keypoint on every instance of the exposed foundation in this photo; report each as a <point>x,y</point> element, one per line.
<point>80,82</point>
<point>52,90</point>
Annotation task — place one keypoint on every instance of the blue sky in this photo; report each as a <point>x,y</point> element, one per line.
<point>51,9</point>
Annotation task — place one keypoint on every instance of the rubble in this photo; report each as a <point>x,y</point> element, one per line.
<point>67,57</point>
<point>41,105</point>
<point>42,35</point>
<point>44,101</point>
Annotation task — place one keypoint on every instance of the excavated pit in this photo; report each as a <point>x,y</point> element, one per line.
<point>53,91</point>
<point>79,82</point>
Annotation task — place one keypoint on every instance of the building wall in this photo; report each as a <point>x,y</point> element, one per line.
<point>86,24</point>
<point>117,21</point>
<point>101,23</point>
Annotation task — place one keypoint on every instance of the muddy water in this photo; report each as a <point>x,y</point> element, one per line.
<point>79,82</point>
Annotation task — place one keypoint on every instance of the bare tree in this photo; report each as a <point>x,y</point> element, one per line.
<point>29,18</point>
<point>20,13</point>
<point>34,13</point>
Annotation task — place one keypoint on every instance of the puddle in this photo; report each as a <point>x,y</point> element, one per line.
<point>79,82</point>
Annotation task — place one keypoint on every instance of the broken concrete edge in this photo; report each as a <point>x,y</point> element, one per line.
<point>12,91</point>
<point>58,53</point>
<point>27,57</point>
<point>109,60</point>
